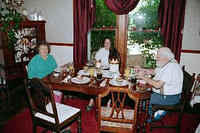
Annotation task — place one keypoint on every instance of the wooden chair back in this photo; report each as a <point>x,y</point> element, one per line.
<point>39,95</point>
<point>196,87</point>
<point>188,81</point>
<point>119,117</point>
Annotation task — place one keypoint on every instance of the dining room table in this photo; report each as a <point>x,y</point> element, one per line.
<point>93,87</point>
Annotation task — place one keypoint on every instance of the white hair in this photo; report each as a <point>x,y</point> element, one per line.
<point>166,52</point>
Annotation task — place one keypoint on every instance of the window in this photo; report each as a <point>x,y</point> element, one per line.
<point>105,26</point>
<point>143,32</point>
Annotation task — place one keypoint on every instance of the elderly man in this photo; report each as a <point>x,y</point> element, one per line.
<point>167,81</point>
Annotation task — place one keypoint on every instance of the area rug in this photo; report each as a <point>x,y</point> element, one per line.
<point>22,123</point>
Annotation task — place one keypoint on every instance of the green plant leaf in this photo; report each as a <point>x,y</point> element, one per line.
<point>10,20</point>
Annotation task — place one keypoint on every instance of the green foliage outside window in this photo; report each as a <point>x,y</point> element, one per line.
<point>143,29</point>
<point>97,38</point>
<point>141,37</point>
<point>147,10</point>
<point>105,19</point>
<point>148,42</point>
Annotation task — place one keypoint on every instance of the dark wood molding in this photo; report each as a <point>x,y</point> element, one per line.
<point>121,39</point>
<point>190,51</point>
<point>61,44</point>
<point>105,29</point>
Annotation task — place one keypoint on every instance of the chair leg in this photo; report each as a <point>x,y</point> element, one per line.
<point>178,129</point>
<point>45,130</point>
<point>79,123</point>
<point>144,128</point>
<point>34,128</point>
<point>150,126</point>
<point>179,122</point>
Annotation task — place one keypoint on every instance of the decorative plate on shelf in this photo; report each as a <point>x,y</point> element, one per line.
<point>83,80</point>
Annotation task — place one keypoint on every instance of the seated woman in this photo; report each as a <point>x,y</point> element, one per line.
<point>42,64</point>
<point>103,55</point>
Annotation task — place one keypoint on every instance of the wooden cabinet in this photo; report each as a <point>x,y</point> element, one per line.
<point>14,58</point>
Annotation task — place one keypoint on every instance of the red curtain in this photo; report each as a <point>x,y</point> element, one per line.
<point>121,6</point>
<point>171,18</point>
<point>84,17</point>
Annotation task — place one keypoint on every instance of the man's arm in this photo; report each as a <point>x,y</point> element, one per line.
<point>155,83</point>
<point>145,71</point>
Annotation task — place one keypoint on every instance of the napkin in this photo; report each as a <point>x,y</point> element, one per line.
<point>103,83</point>
<point>67,79</point>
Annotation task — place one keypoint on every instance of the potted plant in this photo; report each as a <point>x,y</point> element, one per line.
<point>9,23</point>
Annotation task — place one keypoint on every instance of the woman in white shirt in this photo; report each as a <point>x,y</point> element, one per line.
<point>102,56</point>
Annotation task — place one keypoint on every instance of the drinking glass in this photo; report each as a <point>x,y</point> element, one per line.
<point>91,72</point>
<point>133,80</point>
<point>127,72</point>
<point>71,69</point>
<point>99,75</point>
<point>85,68</point>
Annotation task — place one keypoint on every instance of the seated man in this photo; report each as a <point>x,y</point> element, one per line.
<point>167,82</point>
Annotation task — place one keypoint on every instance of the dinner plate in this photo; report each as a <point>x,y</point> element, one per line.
<point>105,67</point>
<point>57,70</point>
<point>114,82</point>
<point>83,72</point>
<point>84,80</point>
<point>107,74</point>
<point>90,64</point>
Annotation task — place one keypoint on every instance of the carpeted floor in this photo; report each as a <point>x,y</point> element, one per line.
<point>21,123</point>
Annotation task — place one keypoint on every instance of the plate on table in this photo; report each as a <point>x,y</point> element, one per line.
<point>83,72</point>
<point>115,82</point>
<point>107,74</point>
<point>90,64</point>
<point>83,80</point>
<point>105,67</point>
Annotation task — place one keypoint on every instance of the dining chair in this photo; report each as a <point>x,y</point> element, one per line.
<point>45,112</point>
<point>119,117</point>
<point>195,99</point>
<point>4,91</point>
<point>188,81</point>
